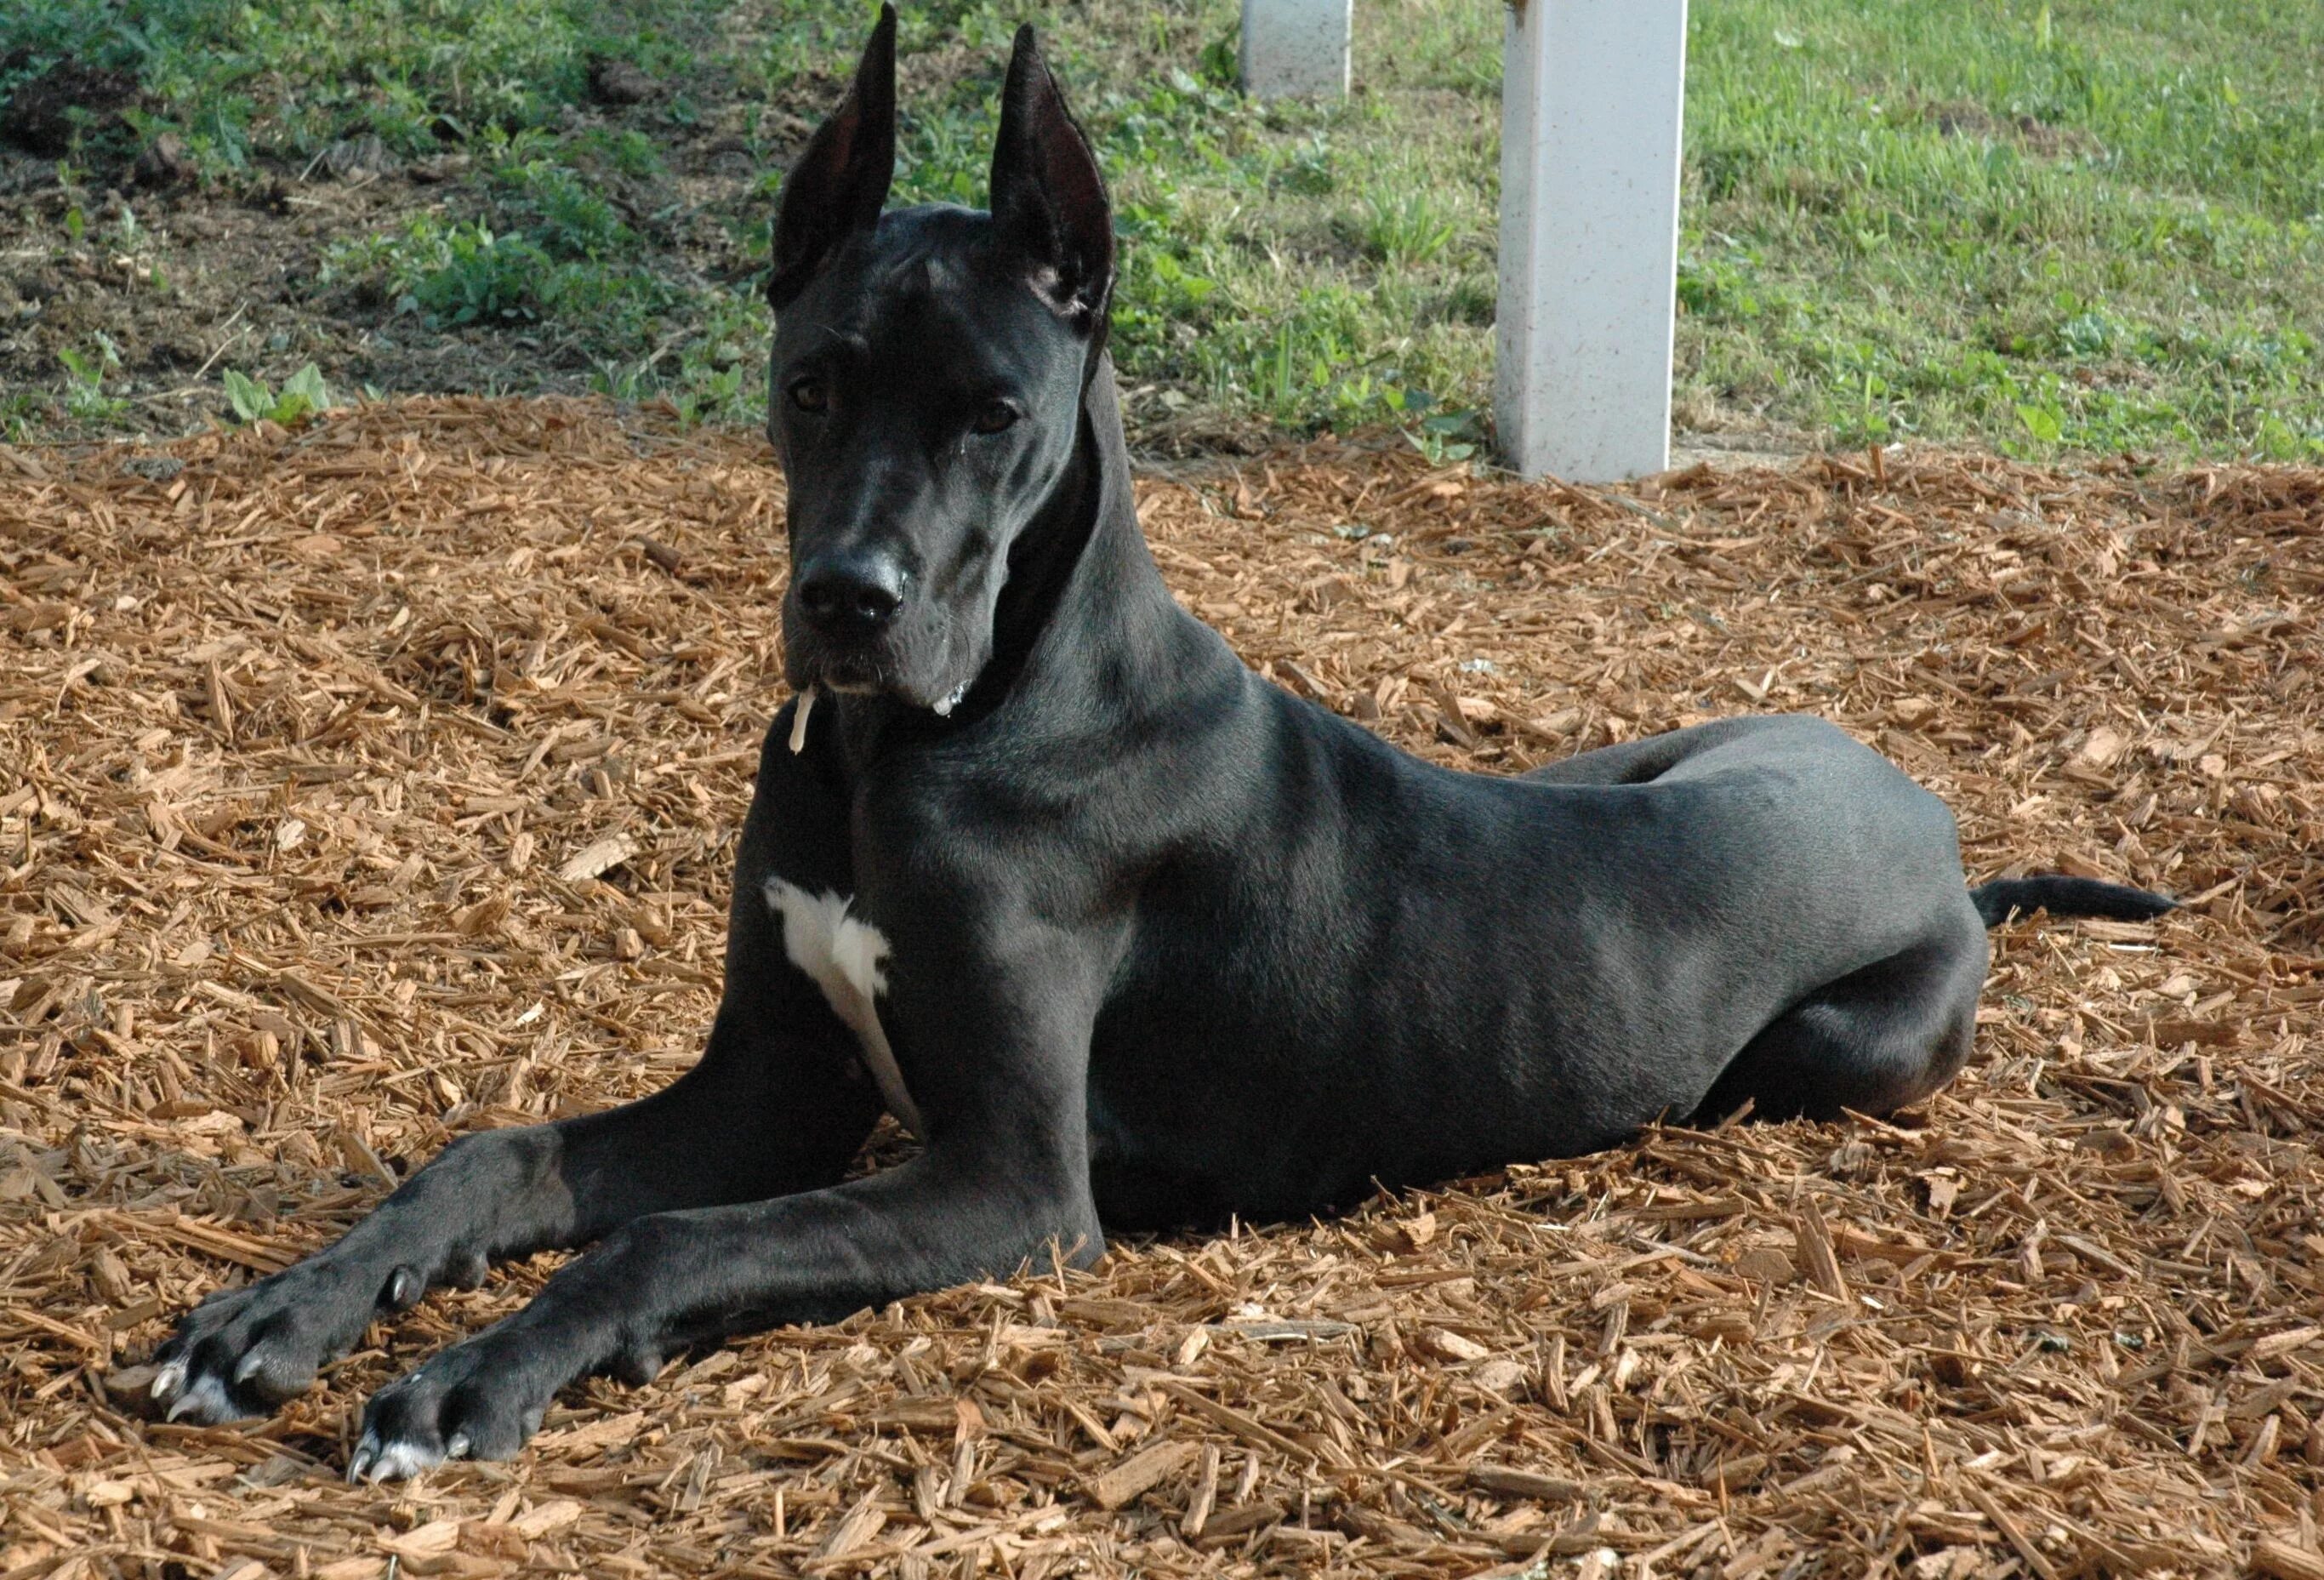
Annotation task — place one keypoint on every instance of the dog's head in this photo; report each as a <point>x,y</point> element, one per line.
<point>924,390</point>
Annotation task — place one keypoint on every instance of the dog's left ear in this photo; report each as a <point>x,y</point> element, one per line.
<point>1049,198</point>
<point>841,181</point>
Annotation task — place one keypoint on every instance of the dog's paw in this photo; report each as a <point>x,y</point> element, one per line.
<point>242,1352</point>
<point>467,1403</point>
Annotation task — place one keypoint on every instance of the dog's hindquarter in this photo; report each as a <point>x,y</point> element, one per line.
<point>1378,969</point>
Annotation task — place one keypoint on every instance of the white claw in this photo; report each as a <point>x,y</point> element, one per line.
<point>251,1363</point>
<point>376,1461</point>
<point>457,1448</point>
<point>206,1401</point>
<point>169,1380</point>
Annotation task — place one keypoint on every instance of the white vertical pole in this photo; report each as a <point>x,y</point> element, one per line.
<point>1592,92</point>
<point>1297,49</point>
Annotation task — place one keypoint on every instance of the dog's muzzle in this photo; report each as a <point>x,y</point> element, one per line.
<point>842,623</point>
<point>851,596</point>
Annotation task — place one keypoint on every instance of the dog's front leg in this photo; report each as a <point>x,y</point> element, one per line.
<point>773,1107</point>
<point>727,1130</point>
<point>664,1281</point>
<point>1006,1173</point>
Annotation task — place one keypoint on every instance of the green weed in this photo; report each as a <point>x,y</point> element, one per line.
<point>561,213</point>
<point>237,81</point>
<point>1403,223</point>
<point>302,396</point>
<point>86,399</point>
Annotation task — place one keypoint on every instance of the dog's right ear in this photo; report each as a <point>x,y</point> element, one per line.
<point>840,182</point>
<point>1048,195</point>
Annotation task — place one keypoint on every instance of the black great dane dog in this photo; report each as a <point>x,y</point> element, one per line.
<point>1125,934</point>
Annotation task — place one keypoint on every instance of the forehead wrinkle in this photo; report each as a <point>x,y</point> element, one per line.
<point>926,331</point>
<point>916,260</point>
<point>922,307</point>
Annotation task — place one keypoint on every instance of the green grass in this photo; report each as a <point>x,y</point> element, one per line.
<point>2085,228</point>
<point>2096,226</point>
<point>2071,227</point>
<point>1300,265</point>
<point>243,81</point>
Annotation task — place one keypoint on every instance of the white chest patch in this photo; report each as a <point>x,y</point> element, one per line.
<point>843,957</point>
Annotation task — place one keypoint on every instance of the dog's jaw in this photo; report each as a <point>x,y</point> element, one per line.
<point>942,707</point>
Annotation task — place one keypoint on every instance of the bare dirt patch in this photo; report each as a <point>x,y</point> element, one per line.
<point>366,785</point>
<point>1967,118</point>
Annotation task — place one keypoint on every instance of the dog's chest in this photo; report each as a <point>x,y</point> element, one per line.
<point>846,958</point>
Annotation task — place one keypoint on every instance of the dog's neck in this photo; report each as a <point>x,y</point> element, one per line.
<point>1083,591</point>
<point>1084,603</point>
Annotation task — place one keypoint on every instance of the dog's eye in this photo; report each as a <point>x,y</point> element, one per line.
<point>811,395</point>
<point>995,416</point>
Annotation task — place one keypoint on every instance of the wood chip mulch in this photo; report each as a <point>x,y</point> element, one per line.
<point>366,785</point>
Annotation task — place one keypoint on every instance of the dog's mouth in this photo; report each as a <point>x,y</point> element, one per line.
<point>865,675</point>
<point>841,685</point>
<point>851,680</point>
<point>845,669</point>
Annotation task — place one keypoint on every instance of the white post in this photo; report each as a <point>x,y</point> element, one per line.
<point>1297,49</point>
<point>1590,96</point>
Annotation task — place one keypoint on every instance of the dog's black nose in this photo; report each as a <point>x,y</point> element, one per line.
<point>851,593</point>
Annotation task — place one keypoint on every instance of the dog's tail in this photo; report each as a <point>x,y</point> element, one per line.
<point>2063,896</point>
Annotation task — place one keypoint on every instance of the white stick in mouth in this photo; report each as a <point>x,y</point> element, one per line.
<point>798,721</point>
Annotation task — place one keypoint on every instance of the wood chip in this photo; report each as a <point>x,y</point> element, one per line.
<point>1504,1481</point>
<point>1815,1247</point>
<point>596,858</point>
<point>2278,1557</point>
<point>1141,1471</point>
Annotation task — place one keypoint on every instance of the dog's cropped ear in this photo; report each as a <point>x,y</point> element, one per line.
<point>841,181</point>
<point>1049,198</point>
